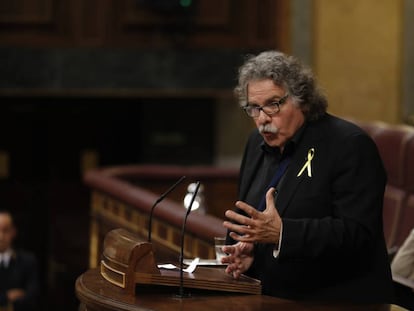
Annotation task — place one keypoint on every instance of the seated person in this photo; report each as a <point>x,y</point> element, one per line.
<point>19,285</point>
<point>403,266</point>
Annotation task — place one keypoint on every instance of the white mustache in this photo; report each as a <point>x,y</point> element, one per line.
<point>269,128</point>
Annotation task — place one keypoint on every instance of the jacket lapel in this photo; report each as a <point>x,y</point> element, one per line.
<point>291,181</point>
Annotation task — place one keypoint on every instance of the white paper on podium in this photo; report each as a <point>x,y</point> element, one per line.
<point>189,269</point>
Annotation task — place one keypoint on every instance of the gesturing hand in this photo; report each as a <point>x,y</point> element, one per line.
<point>240,258</point>
<point>263,227</point>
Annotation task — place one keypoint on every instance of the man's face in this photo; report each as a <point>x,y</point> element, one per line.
<point>7,231</point>
<point>278,128</point>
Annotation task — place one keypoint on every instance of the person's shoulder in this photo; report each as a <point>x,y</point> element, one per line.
<point>344,135</point>
<point>24,255</point>
<point>331,124</point>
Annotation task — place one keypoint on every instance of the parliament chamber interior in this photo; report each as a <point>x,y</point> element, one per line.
<point>105,104</point>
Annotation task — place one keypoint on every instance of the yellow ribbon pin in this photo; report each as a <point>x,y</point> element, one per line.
<point>307,165</point>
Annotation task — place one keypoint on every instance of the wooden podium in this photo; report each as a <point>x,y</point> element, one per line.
<point>97,294</point>
<point>128,261</point>
<point>129,280</point>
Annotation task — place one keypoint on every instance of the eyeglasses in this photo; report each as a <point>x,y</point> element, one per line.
<point>269,109</point>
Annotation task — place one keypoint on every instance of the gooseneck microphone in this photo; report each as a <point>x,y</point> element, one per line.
<point>181,292</point>
<point>158,201</point>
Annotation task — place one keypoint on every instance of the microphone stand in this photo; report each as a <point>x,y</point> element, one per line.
<point>158,201</point>
<point>181,290</point>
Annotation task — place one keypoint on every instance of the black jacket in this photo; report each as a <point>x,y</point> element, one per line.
<point>333,246</point>
<point>22,272</point>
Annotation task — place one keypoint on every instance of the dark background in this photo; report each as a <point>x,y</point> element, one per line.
<point>131,82</point>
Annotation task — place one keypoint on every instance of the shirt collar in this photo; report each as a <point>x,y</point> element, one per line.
<point>6,256</point>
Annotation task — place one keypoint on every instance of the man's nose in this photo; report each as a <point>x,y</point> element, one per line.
<point>263,117</point>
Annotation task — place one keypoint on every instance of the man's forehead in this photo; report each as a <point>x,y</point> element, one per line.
<point>6,219</point>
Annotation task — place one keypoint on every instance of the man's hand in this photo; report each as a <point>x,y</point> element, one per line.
<point>262,227</point>
<point>240,258</point>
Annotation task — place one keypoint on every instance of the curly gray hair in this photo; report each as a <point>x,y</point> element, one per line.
<point>287,72</point>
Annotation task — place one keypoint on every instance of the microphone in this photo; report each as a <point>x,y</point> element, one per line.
<point>181,293</point>
<point>158,201</point>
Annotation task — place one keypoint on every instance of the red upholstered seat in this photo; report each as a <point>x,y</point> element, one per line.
<point>409,167</point>
<point>392,144</point>
<point>396,146</point>
<point>393,204</point>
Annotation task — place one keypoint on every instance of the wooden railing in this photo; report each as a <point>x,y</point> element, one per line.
<point>121,197</point>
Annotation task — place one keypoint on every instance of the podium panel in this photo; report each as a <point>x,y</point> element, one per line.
<point>96,294</point>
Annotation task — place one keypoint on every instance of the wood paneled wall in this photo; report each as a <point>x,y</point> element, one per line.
<point>137,23</point>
